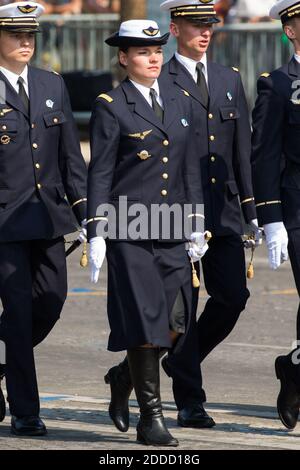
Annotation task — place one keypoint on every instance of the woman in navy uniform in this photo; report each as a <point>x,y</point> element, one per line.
<point>40,163</point>
<point>139,144</point>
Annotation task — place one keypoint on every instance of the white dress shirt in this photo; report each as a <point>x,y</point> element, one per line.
<point>13,78</point>
<point>297,57</point>
<point>145,91</point>
<point>191,64</point>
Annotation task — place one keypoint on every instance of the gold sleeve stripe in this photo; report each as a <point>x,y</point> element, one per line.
<point>267,203</point>
<point>96,219</point>
<point>250,199</point>
<point>196,215</point>
<point>84,199</point>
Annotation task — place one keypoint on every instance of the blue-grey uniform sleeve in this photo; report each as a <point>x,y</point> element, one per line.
<point>104,137</point>
<point>242,154</point>
<point>72,164</point>
<point>268,122</point>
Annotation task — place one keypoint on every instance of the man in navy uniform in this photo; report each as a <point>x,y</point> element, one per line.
<point>40,163</point>
<point>276,179</point>
<point>223,140</point>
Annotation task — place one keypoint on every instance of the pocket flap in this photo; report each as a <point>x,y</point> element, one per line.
<point>8,125</point>
<point>54,118</point>
<point>229,113</point>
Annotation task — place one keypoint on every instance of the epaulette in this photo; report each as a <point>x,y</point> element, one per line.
<point>186,93</point>
<point>235,69</point>
<point>265,74</point>
<point>106,97</point>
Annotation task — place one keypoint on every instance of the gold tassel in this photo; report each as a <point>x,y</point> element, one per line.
<point>250,270</point>
<point>84,258</point>
<point>207,236</point>
<point>195,279</point>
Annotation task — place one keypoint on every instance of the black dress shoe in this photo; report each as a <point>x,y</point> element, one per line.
<point>2,404</point>
<point>119,379</point>
<point>194,416</point>
<point>28,426</point>
<point>288,401</point>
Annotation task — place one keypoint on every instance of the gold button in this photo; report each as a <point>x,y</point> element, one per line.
<point>32,125</point>
<point>165,160</point>
<point>166,143</point>
<point>212,138</point>
<point>4,128</point>
<point>164,192</point>
<point>37,165</point>
<point>213,180</point>
<point>35,146</point>
<point>213,159</point>
<point>211,116</point>
<point>231,115</point>
<point>165,176</point>
<point>55,120</point>
<point>39,186</point>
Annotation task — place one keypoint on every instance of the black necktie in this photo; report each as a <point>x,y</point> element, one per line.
<point>156,106</point>
<point>23,94</point>
<point>201,82</point>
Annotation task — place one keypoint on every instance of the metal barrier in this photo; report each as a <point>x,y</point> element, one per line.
<point>76,42</point>
<point>253,48</point>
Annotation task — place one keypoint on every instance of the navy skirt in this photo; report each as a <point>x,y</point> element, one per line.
<point>144,279</point>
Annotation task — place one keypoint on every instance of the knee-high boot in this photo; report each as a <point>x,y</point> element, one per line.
<point>144,371</point>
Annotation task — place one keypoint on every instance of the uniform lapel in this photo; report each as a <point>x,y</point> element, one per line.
<point>140,105</point>
<point>214,81</point>
<point>169,102</point>
<point>36,92</point>
<point>9,95</point>
<point>184,79</point>
<point>294,68</point>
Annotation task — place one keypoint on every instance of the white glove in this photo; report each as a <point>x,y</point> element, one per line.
<point>277,243</point>
<point>83,232</point>
<point>96,257</point>
<point>198,246</point>
<point>257,234</point>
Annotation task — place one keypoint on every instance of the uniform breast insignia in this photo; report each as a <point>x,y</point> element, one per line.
<point>265,75</point>
<point>296,102</point>
<point>184,123</point>
<point>140,135</point>
<point>105,97</point>
<point>5,139</point>
<point>235,69</point>
<point>4,111</point>
<point>144,155</point>
<point>49,104</point>
<point>229,95</point>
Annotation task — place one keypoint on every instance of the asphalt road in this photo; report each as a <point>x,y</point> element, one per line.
<point>239,375</point>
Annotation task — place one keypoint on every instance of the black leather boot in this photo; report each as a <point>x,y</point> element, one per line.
<point>144,370</point>
<point>288,401</point>
<point>121,387</point>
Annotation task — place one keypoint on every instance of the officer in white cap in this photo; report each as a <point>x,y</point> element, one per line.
<point>276,141</point>
<point>40,163</point>
<point>223,142</point>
